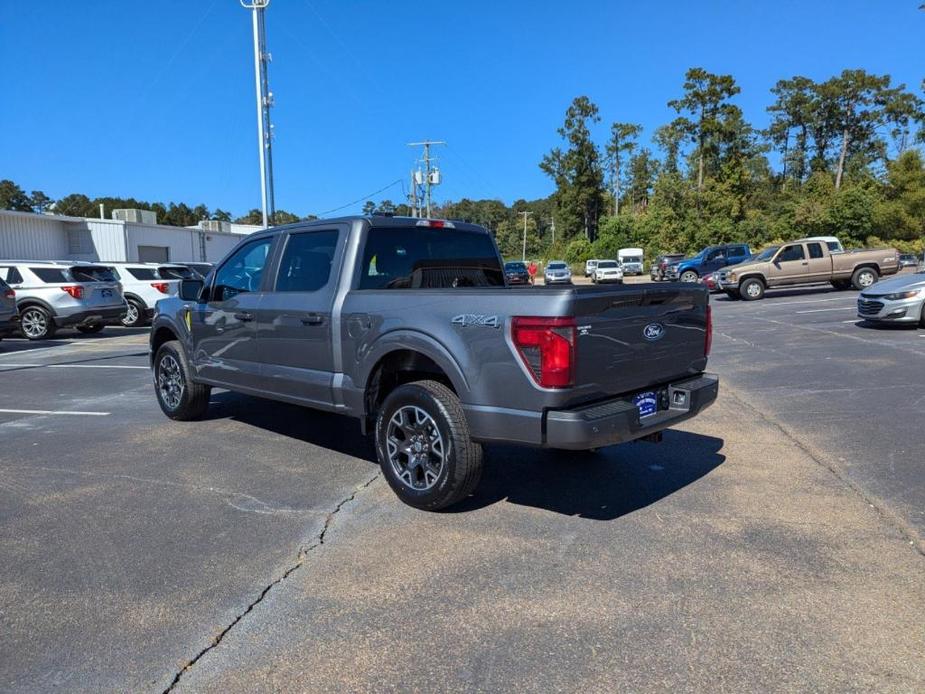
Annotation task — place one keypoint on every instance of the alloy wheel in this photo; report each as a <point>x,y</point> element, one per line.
<point>33,323</point>
<point>131,315</point>
<point>415,448</point>
<point>170,381</point>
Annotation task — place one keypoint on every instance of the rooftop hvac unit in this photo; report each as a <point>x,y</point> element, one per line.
<point>215,225</point>
<point>137,216</point>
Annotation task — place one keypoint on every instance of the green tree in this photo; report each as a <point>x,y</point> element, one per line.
<point>39,201</point>
<point>284,217</point>
<point>622,141</point>
<point>221,215</point>
<point>369,207</point>
<point>12,197</point>
<point>857,98</point>
<point>76,205</point>
<point>577,171</point>
<point>705,96</point>
<point>793,113</point>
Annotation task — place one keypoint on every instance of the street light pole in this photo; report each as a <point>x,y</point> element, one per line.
<point>525,213</point>
<point>264,101</point>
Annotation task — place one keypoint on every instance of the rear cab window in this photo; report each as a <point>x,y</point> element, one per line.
<point>815,250</point>
<point>429,258</point>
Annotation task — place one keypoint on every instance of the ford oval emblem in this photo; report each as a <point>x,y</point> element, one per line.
<point>654,331</point>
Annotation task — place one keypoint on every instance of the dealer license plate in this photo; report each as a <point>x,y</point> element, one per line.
<point>647,403</point>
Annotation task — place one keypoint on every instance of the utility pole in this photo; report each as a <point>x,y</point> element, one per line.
<point>431,175</point>
<point>525,213</point>
<point>264,102</point>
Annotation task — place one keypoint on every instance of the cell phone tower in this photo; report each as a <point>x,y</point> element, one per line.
<point>264,101</point>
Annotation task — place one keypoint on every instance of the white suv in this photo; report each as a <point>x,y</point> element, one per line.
<point>52,295</point>
<point>144,284</point>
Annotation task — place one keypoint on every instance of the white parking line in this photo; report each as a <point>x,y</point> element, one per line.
<point>88,414</point>
<point>807,301</point>
<point>820,310</point>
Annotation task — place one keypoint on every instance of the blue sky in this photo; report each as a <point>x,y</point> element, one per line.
<point>156,99</point>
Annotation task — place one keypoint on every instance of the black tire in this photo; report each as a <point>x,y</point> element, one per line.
<point>922,317</point>
<point>751,289</point>
<point>461,467</point>
<point>90,329</point>
<point>864,278</point>
<point>689,276</point>
<point>732,294</point>
<point>135,314</point>
<point>36,323</point>
<point>192,399</point>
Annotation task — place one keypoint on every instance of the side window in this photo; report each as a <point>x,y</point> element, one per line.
<point>790,253</point>
<point>815,250</point>
<point>715,254</point>
<point>306,263</point>
<point>738,251</point>
<point>49,275</point>
<point>243,271</point>
<point>10,275</point>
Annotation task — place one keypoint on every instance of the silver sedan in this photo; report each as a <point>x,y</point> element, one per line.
<point>897,300</point>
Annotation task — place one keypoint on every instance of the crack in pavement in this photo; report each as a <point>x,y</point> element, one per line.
<point>893,519</point>
<point>300,560</point>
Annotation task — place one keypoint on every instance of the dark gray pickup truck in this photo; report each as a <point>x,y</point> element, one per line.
<point>408,325</point>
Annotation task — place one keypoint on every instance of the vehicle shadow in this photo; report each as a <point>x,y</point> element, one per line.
<point>605,485</point>
<point>814,289</point>
<point>886,327</point>
<point>328,430</point>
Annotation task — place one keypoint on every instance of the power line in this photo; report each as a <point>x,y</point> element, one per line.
<point>362,199</point>
<point>431,174</point>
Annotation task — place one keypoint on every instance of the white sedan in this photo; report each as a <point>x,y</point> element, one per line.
<point>607,271</point>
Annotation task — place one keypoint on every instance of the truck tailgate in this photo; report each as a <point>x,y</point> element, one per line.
<point>631,338</point>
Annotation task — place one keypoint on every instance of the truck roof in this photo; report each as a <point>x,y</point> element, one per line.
<point>382,221</point>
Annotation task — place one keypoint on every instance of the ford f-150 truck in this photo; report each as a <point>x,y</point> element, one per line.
<point>409,326</point>
<point>806,261</point>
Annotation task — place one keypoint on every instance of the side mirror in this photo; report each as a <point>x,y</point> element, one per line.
<point>190,289</point>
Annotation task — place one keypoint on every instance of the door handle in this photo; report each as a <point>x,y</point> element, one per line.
<point>805,263</point>
<point>313,319</point>
<point>244,317</point>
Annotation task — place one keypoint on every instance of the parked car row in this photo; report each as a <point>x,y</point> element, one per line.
<point>40,297</point>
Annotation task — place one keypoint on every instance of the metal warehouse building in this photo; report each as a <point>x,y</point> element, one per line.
<point>28,236</point>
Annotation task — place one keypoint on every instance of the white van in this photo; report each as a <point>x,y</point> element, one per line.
<point>631,260</point>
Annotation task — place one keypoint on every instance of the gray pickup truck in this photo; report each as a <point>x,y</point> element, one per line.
<point>409,326</point>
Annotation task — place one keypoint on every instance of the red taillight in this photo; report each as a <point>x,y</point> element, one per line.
<point>547,348</point>
<point>74,290</point>
<point>162,287</point>
<point>9,294</point>
<point>708,341</point>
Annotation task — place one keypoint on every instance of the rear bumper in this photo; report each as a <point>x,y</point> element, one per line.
<point>106,316</point>
<point>615,421</point>
<point>8,326</point>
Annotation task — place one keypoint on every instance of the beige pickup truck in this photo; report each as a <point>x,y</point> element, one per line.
<point>806,261</point>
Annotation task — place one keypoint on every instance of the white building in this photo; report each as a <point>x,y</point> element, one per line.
<point>28,236</point>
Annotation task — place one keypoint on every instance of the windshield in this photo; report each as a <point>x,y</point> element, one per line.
<point>766,254</point>
<point>515,267</point>
<point>559,266</point>
<point>632,259</point>
<point>607,264</point>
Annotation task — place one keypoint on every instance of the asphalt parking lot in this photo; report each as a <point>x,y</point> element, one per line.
<point>774,543</point>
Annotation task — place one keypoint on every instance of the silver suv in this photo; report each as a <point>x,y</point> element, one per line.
<point>52,295</point>
<point>144,284</point>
